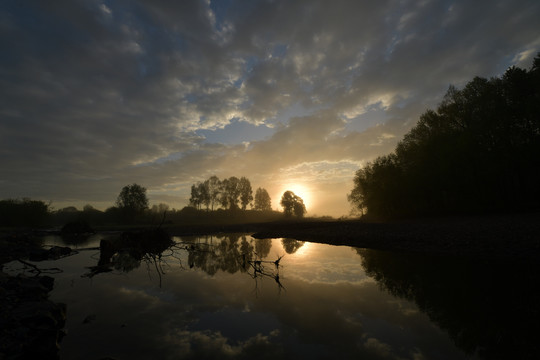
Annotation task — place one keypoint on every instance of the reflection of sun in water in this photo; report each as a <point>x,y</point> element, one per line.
<point>303,250</point>
<point>299,190</point>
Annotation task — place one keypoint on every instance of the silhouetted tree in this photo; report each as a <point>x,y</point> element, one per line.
<point>477,152</point>
<point>88,208</point>
<point>246,193</point>
<point>132,201</point>
<point>213,185</point>
<point>230,192</point>
<point>292,204</point>
<point>262,200</point>
<point>199,196</point>
<point>160,208</point>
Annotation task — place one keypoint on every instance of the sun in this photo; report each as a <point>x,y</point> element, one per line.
<point>300,190</point>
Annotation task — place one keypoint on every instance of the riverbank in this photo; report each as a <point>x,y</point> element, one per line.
<point>502,236</point>
<point>505,236</point>
<point>513,235</point>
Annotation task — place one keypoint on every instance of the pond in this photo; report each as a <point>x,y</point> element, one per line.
<point>236,297</point>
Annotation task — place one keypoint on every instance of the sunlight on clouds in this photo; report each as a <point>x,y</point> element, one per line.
<point>320,171</point>
<point>381,101</point>
<point>154,93</point>
<point>523,58</point>
<point>384,137</point>
<point>312,181</point>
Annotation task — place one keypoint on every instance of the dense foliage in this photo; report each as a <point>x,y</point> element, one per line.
<point>478,152</point>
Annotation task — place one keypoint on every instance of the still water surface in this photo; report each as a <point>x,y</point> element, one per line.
<point>233,296</point>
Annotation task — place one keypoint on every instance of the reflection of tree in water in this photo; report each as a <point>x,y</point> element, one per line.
<point>126,261</point>
<point>231,253</point>
<point>291,245</point>
<point>234,253</point>
<point>127,251</point>
<point>485,306</point>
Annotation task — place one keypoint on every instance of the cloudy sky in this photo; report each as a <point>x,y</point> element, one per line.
<point>97,94</point>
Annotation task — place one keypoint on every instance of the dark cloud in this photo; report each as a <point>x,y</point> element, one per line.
<point>92,93</point>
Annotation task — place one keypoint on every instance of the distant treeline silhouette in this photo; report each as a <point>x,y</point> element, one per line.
<point>132,208</point>
<point>36,213</point>
<point>23,212</point>
<point>478,152</point>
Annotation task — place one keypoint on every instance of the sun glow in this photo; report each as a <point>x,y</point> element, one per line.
<point>300,190</point>
<point>303,250</point>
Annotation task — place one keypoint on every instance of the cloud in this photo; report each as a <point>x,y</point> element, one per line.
<point>92,93</point>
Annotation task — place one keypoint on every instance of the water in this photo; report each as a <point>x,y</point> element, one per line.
<point>225,297</point>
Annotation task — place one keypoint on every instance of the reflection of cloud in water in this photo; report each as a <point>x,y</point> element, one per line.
<point>213,345</point>
<point>377,347</point>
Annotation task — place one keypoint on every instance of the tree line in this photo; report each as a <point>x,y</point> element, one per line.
<point>231,193</point>
<point>477,152</point>
<point>132,206</point>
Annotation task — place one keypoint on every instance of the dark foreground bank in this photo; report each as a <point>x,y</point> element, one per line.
<point>31,326</point>
<point>499,236</point>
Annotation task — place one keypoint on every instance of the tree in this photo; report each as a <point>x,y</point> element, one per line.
<point>213,186</point>
<point>262,200</point>
<point>246,193</point>
<point>132,200</point>
<point>292,204</point>
<point>299,208</point>
<point>199,196</point>
<point>88,208</point>
<point>160,208</point>
<point>477,152</point>
<point>230,192</point>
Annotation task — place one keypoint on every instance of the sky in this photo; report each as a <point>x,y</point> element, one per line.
<point>294,95</point>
